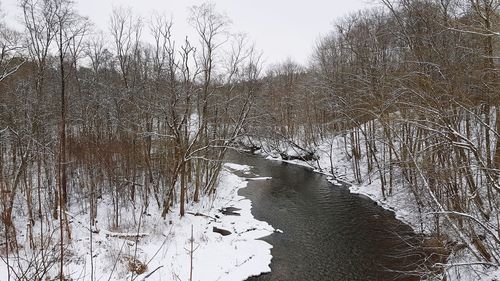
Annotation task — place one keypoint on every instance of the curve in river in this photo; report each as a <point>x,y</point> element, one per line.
<point>328,233</point>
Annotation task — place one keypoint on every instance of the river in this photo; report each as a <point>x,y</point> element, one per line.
<point>328,233</point>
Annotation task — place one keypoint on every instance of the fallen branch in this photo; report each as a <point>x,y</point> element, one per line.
<point>201,215</point>
<point>124,235</point>
<point>151,273</point>
<point>448,265</point>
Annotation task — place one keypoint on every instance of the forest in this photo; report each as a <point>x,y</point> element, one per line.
<point>93,120</point>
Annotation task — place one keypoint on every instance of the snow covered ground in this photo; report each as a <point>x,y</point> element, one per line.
<point>165,245</point>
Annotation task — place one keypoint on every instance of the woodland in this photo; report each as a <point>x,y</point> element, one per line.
<point>88,116</point>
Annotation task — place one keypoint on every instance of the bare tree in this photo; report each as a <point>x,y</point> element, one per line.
<point>126,33</point>
<point>11,57</point>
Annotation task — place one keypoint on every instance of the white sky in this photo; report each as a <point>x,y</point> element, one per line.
<point>280,28</point>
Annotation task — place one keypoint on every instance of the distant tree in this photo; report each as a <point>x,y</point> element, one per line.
<point>11,56</point>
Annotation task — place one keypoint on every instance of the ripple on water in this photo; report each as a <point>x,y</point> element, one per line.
<point>329,233</point>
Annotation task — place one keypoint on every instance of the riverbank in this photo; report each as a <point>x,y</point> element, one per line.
<point>331,157</point>
<point>162,249</point>
<point>332,160</point>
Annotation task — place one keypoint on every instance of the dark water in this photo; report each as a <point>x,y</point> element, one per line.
<point>329,234</point>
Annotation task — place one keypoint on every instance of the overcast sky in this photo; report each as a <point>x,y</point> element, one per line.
<point>280,28</point>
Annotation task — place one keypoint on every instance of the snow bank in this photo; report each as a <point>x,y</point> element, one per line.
<point>216,257</point>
